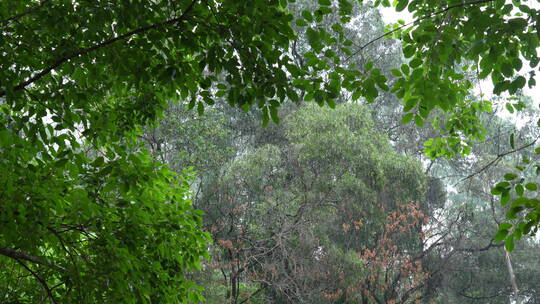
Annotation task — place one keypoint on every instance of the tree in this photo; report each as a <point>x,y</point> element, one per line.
<point>81,78</point>
<point>87,216</point>
<point>448,38</point>
<point>292,212</point>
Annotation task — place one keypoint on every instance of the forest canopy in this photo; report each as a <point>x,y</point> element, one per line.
<point>96,205</point>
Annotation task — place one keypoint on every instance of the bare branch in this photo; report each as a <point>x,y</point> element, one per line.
<point>485,248</point>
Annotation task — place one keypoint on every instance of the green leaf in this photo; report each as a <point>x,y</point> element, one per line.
<point>517,234</point>
<point>396,72</point>
<point>265,116</point>
<point>200,108</point>
<point>509,244</point>
<point>98,162</point>
<point>405,69</point>
<point>496,191</point>
<point>418,121</point>
<point>307,15</point>
<point>401,5</point>
<point>512,143</point>
<point>407,118</point>
<point>500,236</point>
<point>292,95</point>
<point>517,84</point>
<point>369,66</point>
<point>519,189</point>
<point>531,186</point>
<point>274,114</point>
<point>416,62</point>
<point>510,176</point>
<point>408,51</point>
<point>505,226</point>
<point>371,91</point>
<point>301,22</point>
<point>503,185</point>
<point>505,198</point>
<point>507,69</point>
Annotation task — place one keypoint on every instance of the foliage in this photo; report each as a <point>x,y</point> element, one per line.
<point>467,265</point>
<point>83,203</point>
<point>519,191</point>
<point>468,35</point>
<point>292,213</point>
<point>83,229</point>
<point>83,206</point>
<point>476,271</point>
<point>391,273</point>
<point>471,35</point>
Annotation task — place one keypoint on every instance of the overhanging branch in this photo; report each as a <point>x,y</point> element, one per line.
<point>414,22</point>
<point>18,16</point>
<point>17,255</point>
<point>84,51</point>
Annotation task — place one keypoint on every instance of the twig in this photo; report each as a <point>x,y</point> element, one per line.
<point>254,294</point>
<point>497,159</point>
<point>18,16</point>
<point>41,281</point>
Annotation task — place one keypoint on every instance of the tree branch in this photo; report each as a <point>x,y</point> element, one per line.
<point>498,294</point>
<point>496,159</point>
<point>485,248</point>
<point>18,16</point>
<point>254,294</point>
<point>40,280</point>
<point>17,255</point>
<point>84,51</point>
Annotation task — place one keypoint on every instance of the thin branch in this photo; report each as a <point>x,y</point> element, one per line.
<point>497,159</point>
<point>485,248</point>
<point>414,22</point>
<point>84,51</point>
<point>41,281</point>
<point>498,294</point>
<point>254,294</point>
<point>17,255</point>
<point>18,16</point>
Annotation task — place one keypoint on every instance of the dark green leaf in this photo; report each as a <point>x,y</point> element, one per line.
<point>505,226</point>
<point>531,186</point>
<point>509,244</point>
<point>407,118</point>
<point>500,236</point>
<point>510,176</point>
<point>512,143</point>
<point>401,5</point>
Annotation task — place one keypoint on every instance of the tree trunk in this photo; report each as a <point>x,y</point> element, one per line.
<point>514,298</point>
